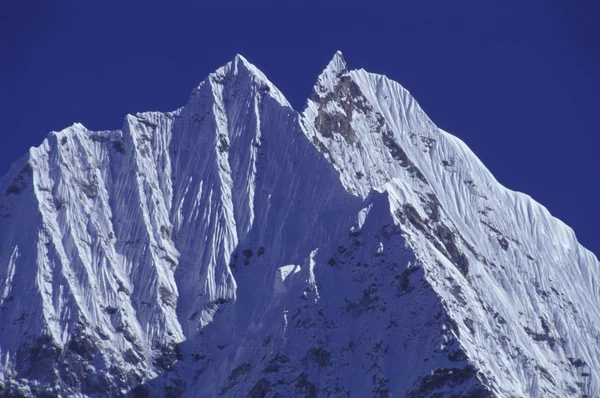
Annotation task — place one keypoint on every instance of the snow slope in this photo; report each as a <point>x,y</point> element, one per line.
<point>236,247</point>
<point>526,286</point>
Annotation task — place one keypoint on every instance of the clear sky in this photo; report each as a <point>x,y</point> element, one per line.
<point>518,81</point>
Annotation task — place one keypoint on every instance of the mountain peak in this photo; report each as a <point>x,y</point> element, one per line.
<point>337,64</point>
<point>242,71</point>
<point>241,63</point>
<point>331,74</point>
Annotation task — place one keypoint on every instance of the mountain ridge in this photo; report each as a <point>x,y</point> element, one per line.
<point>359,134</point>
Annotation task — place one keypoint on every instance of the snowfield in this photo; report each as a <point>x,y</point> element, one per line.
<point>236,247</point>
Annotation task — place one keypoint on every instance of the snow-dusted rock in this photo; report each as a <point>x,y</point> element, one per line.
<point>236,247</point>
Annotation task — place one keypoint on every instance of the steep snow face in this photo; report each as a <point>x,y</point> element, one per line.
<point>79,313</point>
<point>235,247</point>
<point>119,245</point>
<point>354,317</point>
<point>522,291</point>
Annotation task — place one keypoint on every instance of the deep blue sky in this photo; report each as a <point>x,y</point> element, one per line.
<point>519,81</point>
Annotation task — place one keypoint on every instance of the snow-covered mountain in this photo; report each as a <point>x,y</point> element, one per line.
<point>236,247</point>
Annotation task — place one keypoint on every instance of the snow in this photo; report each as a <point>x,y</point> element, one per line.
<point>528,281</point>
<point>282,274</point>
<point>236,245</point>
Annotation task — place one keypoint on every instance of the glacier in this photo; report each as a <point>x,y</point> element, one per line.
<point>237,247</point>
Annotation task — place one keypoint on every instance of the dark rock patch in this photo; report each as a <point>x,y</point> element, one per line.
<point>404,285</point>
<point>318,355</point>
<point>260,389</point>
<point>223,145</point>
<point>577,362</point>
<point>131,357</point>
<point>304,386</point>
<point>167,355</point>
<point>367,302</point>
<point>470,325</point>
<point>89,188</point>
<point>82,345</point>
<point>18,183</point>
<point>448,239</point>
<point>248,253</point>
<point>167,297</point>
<point>544,336</point>
<point>503,242</point>
<point>110,310</point>
<point>235,376</point>
<point>276,363</point>
<point>323,149</point>
<point>348,96</point>
<point>118,146</point>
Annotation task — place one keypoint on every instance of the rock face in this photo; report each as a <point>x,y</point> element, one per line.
<point>235,247</point>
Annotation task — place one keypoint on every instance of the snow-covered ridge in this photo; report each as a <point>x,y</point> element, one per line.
<point>524,266</point>
<point>235,246</point>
